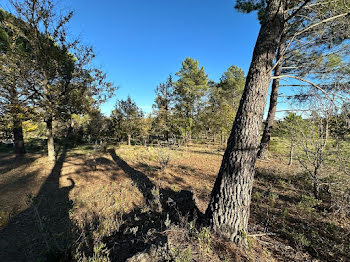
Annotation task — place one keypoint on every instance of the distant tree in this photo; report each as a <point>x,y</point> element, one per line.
<point>145,128</point>
<point>311,137</point>
<point>163,108</point>
<point>318,149</point>
<point>339,126</point>
<point>207,117</point>
<point>232,85</point>
<point>97,126</point>
<point>221,103</point>
<point>86,90</point>
<point>127,119</point>
<point>288,128</point>
<point>188,91</point>
<point>224,99</point>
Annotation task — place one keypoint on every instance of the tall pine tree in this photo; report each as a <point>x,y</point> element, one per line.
<point>188,91</point>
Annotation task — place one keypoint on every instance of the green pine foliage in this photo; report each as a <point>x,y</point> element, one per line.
<point>128,120</point>
<point>189,90</point>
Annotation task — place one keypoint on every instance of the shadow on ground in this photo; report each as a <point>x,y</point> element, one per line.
<point>143,228</point>
<point>9,162</point>
<point>43,231</point>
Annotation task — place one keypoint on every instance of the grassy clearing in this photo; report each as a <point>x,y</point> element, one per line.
<point>101,206</point>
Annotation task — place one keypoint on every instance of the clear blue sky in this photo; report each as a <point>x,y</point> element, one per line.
<point>139,43</point>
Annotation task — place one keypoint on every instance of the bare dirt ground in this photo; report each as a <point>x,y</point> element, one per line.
<point>121,202</point>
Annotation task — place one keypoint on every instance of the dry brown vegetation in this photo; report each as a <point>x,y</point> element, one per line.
<point>145,203</point>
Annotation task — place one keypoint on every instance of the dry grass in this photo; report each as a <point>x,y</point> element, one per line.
<point>112,205</point>
<point>192,170</point>
<point>20,178</point>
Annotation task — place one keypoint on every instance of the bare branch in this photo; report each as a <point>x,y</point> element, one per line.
<point>306,81</point>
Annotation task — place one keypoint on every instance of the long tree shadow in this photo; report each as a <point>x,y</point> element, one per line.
<point>9,162</point>
<point>42,232</point>
<point>142,228</point>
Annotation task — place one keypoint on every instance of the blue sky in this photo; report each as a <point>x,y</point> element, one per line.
<point>139,43</point>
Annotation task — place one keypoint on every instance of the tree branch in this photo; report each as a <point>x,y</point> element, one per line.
<point>298,10</point>
<point>303,80</point>
<point>312,26</point>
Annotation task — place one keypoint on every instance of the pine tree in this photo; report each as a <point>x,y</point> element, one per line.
<point>128,119</point>
<point>228,209</point>
<point>163,107</point>
<point>188,91</point>
<point>223,101</point>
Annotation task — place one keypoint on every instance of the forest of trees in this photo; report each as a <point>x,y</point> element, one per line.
<point>51,90</point>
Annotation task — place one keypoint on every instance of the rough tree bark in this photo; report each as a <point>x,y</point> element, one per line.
<point>228,209</point>
<point>316,184</point>
<point>49,119</point>
<point>50,140</point>
<point>270,120</point>
<point>18,137</point>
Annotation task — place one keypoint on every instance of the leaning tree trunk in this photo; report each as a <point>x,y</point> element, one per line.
<point>266,137</point>
<point>228,209</point>
<point>50,140</point>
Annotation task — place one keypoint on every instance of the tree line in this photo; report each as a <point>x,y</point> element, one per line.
<point>191,107</point>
